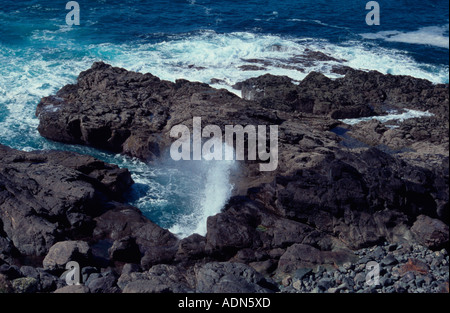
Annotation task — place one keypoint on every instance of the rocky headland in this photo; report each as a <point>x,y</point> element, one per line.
<point>342,195</point>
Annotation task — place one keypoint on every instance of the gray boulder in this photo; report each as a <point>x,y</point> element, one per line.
<point>430,232</point>
<point>63,252</point>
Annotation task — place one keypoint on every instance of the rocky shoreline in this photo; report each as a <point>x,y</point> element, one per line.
<point>403,269</point>
<point>310,226</point>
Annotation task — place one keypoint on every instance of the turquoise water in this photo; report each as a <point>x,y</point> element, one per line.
<point>39,54</point>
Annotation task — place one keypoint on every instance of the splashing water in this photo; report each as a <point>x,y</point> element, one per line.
<point>214,192</point>
<point>181,195</point>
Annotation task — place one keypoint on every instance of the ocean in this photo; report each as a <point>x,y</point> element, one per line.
<point>199,40</point>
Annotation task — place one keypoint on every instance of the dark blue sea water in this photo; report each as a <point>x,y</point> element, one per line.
<point>199,40</point>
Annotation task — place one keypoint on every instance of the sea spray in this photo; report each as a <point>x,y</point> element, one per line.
<point>215,189</point>
<point>179,195</point>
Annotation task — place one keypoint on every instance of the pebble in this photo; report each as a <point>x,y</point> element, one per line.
<point>325,283</point>
<point>343,286</point>
<point>348,265</point>
<point>385,282</point>
<point>378,253</point>
<point>400,287</point>
<point>393,260</point>
<point>420,281</point>
<point>286,281</point>
<point>302,272</point>
<point>392,247</point>
<point>360,278</point>
<point>297,285</point>
<point>389,260</point>
<point>409,276</point>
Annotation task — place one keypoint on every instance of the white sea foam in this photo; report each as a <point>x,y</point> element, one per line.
<point>408,114</point>
<point>24,80</point>
<point>431,35</point>
<point>386,61</point>
<point>32,73</point>
<point>209,55</point>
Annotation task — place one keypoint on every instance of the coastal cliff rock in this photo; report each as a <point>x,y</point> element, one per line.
<point>357,94</point>
<point>53,196</point>
<point>133,113</point>
<point>338,189</point>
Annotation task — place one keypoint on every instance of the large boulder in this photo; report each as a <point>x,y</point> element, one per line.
<point>305,256</point>
<point>50,196</point>
<point>25,285</point>
<point>63,252</point>
<point>431,232</point>
<point>133,236</point>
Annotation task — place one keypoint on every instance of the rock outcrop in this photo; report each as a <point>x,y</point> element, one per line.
<point>327,199</point>
<point>50,197</point>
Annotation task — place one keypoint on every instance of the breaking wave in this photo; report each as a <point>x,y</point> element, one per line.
<point>431,35</point>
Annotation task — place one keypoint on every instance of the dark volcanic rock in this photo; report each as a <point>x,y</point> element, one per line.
<point>358,94</point>
<point>369,193</point>
<point>62,206</point>
<point>251,68</point>
<point>233,230</point>
<point>5,285</point>
<point>10,271</point>
<point>73,289</point>
<point>316,94</point>
<point>231,278</point>
<point>132,232</point>
<point>318,56</point>
<point>125,250</point>
<point>25,285</point>
<point>106,283</point>
<point>7,249</point>
<point>324,199</point>
<point>432,233</point>
<point>277,92</point>
<point>129,112</point>
<point>191,248</point>
<point>49,197</point>
<point>64,251</point>
<point>304,256</point>
<point>420,141</point>
<point>246,225</point>
<point>159,279</point>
